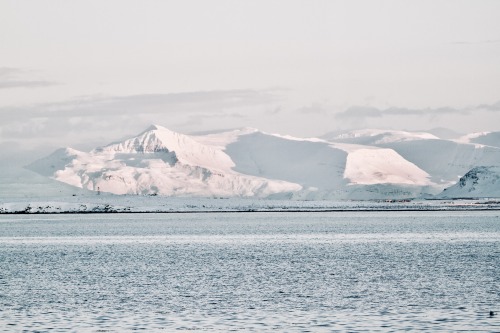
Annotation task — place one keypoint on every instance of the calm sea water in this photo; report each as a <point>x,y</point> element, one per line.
<point>293,272</point>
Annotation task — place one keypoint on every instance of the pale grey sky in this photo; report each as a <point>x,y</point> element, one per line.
<point>81,73</point>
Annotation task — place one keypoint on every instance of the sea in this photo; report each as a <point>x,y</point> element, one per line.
<point>251,272</point>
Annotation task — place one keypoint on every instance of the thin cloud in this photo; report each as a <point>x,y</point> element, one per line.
<point>372,112</point>
<point>25,84</point>
<point>93,115</point>
<point>201,101</point>
<point>490,107</point>
<point>8,72</point>
<point>201,119</point>
<point>312,109</point>
<point>274,111</point>
<point>489,41</point>
<point>360,112</point>
<point>9,78</point>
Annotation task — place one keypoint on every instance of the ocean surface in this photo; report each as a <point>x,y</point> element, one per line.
<point>255,272</point>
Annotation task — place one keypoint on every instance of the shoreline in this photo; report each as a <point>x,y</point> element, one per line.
<point>111,209</point>
<point>254,211</point>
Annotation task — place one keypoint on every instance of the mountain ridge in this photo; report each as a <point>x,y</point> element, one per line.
<point>370,164</point>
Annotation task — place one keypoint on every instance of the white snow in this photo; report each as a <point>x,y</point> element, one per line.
<point>482,138</point>
<point>468,138</point>
<point>444,160</point>
<point>378,136</point>
<point>364,164</point>
<point>187,150</point>
<point>222,139</point>
<point>479,182</point>
<point>159,161</point>
<point>382,166</point>
<point>108,203</point>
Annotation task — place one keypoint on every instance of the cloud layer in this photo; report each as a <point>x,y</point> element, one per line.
<point>12,78</point>
<point>363,112</point>
<point>105,117</point>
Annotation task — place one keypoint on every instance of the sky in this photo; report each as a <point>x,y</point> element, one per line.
<point>85,73</point>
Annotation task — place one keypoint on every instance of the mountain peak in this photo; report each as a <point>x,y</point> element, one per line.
<point>246,162</point>
<point>154,127</point>
<point>154,139</point>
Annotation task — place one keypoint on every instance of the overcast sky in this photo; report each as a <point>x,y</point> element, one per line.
<point>83,73</point>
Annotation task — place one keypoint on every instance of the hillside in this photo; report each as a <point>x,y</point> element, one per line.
<point>157,161</point>
<point>479,182</point>
<point>444,160</point>
<point>483,138</point>
<point>369,164</point>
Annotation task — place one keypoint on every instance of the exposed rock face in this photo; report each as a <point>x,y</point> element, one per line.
<point>481,181</point>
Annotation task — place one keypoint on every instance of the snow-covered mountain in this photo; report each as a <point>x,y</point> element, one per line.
<point>480,182</point>
<point>369,164</point>
<point>444,160</point>
<point>484,138</point>
<point>157,161</point>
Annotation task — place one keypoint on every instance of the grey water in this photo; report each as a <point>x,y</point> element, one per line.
<point>256,272</point>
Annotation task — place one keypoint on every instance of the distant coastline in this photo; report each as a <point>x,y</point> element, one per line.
<point>146,204</point>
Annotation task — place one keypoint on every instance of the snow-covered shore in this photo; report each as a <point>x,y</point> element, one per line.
<point>157,204</point>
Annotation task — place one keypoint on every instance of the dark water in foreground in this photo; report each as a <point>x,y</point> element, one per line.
<point>319,272</point>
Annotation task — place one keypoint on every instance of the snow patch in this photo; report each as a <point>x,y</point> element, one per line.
<point>382,166</point>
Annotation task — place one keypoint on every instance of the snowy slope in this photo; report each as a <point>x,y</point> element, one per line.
<point>173,146</point>
<point>483,138</point>
<point>444,133</point>
<point>246,162</point>
<point>17,182</point>
<point>377,136</point>
<point>445,161</point>
<point>369,166</point>
<point>157,161</point>
<point>482,181</point>
<point>312,164</point>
